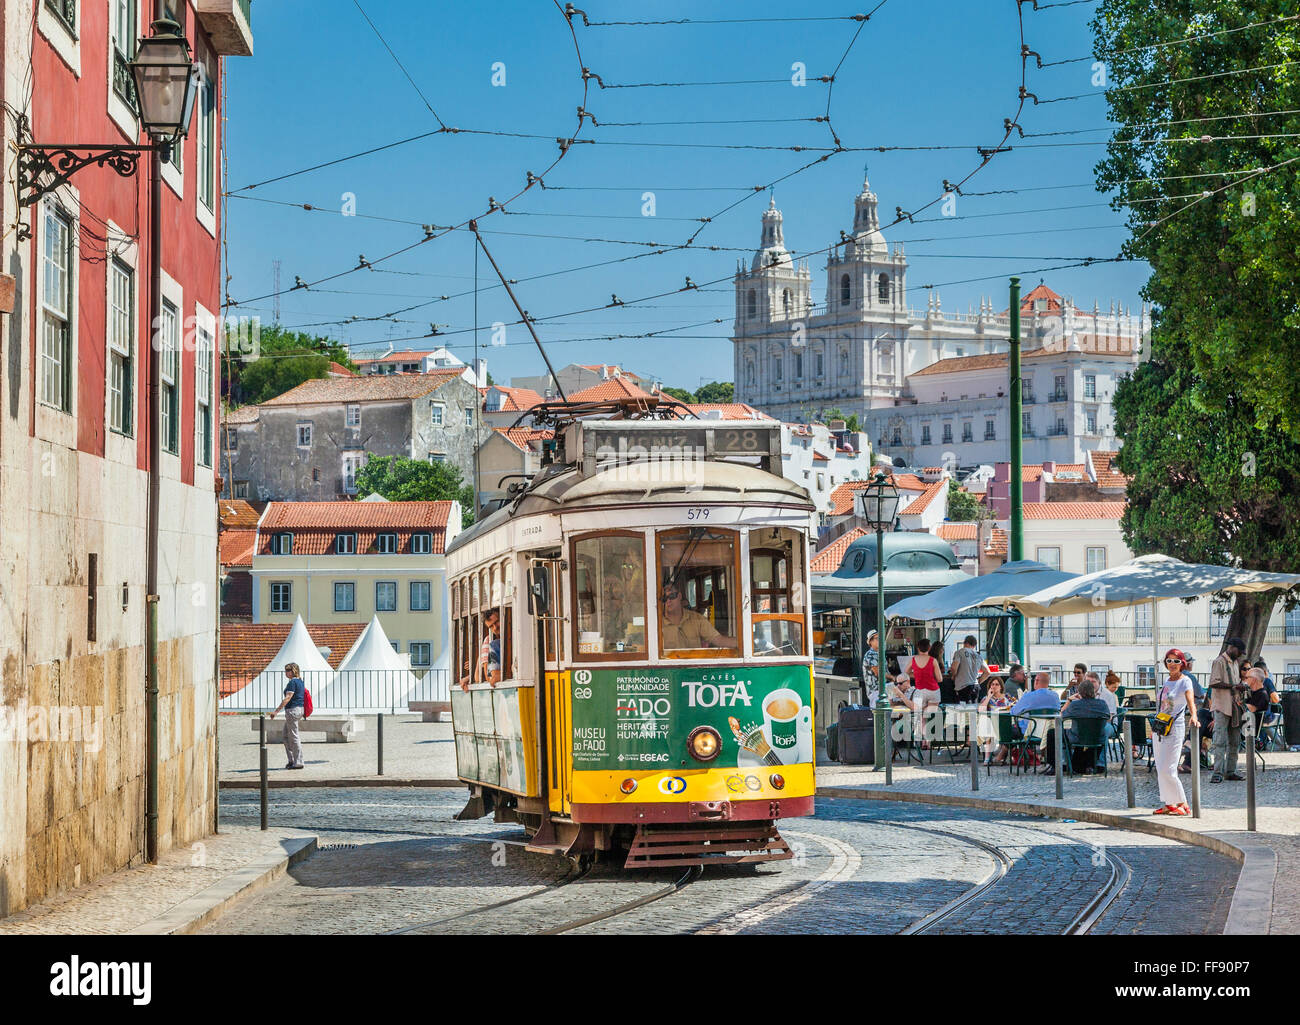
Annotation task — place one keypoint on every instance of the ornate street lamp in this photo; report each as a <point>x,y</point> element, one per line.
<point>880,509</point>
<point>166,81</point>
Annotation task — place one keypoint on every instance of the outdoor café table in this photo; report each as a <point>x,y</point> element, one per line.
<point>954,730</point>
<point>899,715</point>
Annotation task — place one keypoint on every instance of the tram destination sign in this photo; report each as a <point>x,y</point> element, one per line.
<point>641,719</point>
<point>603,442</point>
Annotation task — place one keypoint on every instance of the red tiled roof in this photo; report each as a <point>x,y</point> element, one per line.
<point>910,482</point>
<point>242,415</point>
<point>395,357</point>
<point>236,547</point>
<point>314,524</point>
<point>360,389</point>
<point>819,458</point>
<point>1054,304</point>
<point>729,410</point>
<point>932,469</point>
<point>235,512</point>
<point>339,370</point>
<point>997,544</point>
<point>515,400</point>
<point>523,437</point>
<point>921,503</point>
<point>828,559</point>
<point>966,531</point>
<point>247,648</point>
<point>963,364</point>
<point>1073,510</point>
<point>1061,468</point>
<point>614,388</point>
<point>842,497</point>
<point>1103,465</point>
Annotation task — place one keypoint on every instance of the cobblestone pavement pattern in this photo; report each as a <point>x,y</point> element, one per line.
<point>395,860</point>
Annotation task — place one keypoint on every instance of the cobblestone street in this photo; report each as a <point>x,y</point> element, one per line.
<point>396,861</point>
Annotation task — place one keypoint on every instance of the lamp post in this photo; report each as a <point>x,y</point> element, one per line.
<point>880,509</point>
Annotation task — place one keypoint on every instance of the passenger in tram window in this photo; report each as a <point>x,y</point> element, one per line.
<point>488,667</point>
<point>683,628</point>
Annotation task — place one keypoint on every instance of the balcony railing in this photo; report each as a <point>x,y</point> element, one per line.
<point>123,80</point>
<point>1174,636</point>
<point>1028,398</point>
<point>1056,432</point>
<point>1059,396</point>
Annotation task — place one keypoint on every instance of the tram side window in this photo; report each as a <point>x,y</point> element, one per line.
<point>777,591</point>
<point>697,582</point>
<point>505,602</point>
<point>609,595</point>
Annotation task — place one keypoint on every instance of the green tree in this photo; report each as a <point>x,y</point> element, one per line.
<point>1209,432</point>
<point>963,506</point>
<point>1222,239</point>
<point>413,480</point>
<point>680,394</point>
<point>716,392</point>
<point>835,413</point>
<point>284,360</point>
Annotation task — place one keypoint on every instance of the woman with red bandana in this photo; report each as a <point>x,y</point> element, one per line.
<point>1177,699</point>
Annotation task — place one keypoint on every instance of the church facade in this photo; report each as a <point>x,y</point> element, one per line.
<point>856,344</point>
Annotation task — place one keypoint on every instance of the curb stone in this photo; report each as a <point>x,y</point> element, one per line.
<point>1252,897</point>
<point>196,911</point>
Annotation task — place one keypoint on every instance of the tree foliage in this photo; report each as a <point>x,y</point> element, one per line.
<point>399,479</point>
<point>284,360</point>
<point>964,506</point>
<point>716,392</point>
<point>1225,244</point>
<point>680,394</point>
<point>851,424</point>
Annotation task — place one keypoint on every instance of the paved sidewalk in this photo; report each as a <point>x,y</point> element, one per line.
<point>1223,806</point>
<point>413,750</point>
<point>179,893</point>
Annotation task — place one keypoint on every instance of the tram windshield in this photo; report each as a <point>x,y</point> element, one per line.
<point>697,588</point>
<point>610,594</point>
<point>777,591</point>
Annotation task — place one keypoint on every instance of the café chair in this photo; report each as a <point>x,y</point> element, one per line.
<point>1089,735</point>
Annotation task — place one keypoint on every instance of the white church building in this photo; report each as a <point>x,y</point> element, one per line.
<point>859,347</point>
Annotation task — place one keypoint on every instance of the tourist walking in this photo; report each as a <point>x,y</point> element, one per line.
<point>1175,700</point>
<point>1226,696</point>
<point>294,705</point>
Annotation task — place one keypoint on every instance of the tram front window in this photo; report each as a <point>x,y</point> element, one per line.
<point>610,594</point>
<point>697,585</point>
<point>777,591</point>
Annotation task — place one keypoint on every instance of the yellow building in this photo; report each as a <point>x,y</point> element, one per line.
<point>343,562</point>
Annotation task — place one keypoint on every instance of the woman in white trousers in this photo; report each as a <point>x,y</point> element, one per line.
<point>1177,699</point>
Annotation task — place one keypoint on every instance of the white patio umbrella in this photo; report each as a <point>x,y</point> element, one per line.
<point>371,678</point>
<point>1148,578</point>
<point>267,688</point>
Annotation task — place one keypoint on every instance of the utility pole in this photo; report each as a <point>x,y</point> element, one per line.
<point>1016,545</point>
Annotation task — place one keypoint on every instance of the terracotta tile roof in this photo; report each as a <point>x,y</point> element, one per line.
<point>1061,468</point>
<point>1103,465</point>
<point>932,469</point>
<point>395,357</point>
<point>247,648</point>
<point>1095,345</point>
<point>523,437</point>
<point>922,502</point>
<point>314,524</point>
<point>235,512</point>
<point>236,547</point>
<point>909,482</point>
<point>819,458</point>
<point>339,370</point>
<point>1054,304</point>
<point>614,388</point>
<point>963,364</point>
<point>729,410</point>
<point>1073,510</point>
<point>515,400</point>
<point>1090,344</point>
<point>371,387</point>
<point>997,544</point>
<point>967,531</point>
<point>842,497</point>
<point>242,415</point>
<point>828,559</point>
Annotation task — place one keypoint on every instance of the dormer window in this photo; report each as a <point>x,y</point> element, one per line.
<point>345,544</point>
<point>282,544</point>
<point>421,544</point>
<point>386,544</point>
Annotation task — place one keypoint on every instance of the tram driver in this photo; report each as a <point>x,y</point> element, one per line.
<point>683,628</point>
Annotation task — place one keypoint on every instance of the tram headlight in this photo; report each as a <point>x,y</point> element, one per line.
<point>627,786</point>
<point>704,743</point>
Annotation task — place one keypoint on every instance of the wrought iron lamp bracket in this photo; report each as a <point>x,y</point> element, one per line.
<point>57,164</point>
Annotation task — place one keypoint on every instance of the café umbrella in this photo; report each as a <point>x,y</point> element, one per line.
<point>1148,578</point>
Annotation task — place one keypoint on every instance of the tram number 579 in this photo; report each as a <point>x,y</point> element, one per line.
<point>697,514</point>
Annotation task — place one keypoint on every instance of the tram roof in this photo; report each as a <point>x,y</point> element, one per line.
<point>565,489</point>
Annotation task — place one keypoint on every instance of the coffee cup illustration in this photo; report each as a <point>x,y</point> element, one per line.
<point>783,711</point>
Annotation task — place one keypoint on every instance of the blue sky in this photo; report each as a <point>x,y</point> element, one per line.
<point>921,73</point>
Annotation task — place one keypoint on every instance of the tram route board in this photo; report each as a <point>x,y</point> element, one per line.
<point>639,719</point>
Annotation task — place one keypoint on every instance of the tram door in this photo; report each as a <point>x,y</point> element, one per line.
<point>546,604</point>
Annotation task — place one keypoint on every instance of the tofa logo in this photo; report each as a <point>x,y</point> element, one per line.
<point>102,979</point>
<point>707,695</point>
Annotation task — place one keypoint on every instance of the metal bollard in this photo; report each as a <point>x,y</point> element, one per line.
<point>265,789</point>
<point>1060,759</point>
<point>380,731</point>
<point>1196,768</point>
<point>1128,761</point>
<point>1249,731</point>
<point>889,746</point>
<point>974,752</point>
<point>261,731</point>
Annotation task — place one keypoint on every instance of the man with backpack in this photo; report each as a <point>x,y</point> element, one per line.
<point>295,708</point>
<point>967,670</point>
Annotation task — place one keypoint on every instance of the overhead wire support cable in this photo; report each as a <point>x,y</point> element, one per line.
<point>398,62</point>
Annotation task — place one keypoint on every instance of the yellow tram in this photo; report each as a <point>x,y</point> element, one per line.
<point>632,646</point>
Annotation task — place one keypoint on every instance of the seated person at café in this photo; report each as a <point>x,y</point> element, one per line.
<point>1017,683</point>
<point>1077,677</point>
<point>994,701</point>
<point>1085,705</point>
<point>1257,698</point>
<point>1041,699</point>
<point>684,629</point>
<point>1104,691</point>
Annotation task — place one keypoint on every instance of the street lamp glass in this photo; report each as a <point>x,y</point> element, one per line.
<point>880,503</point>
<point>165,82</point>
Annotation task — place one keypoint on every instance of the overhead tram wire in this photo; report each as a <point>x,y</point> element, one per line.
<point>398,62</point>
<point>1168,42</point>
<point>1166,82</point>
<point>565,144</point>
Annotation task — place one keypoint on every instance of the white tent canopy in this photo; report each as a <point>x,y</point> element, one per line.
<point>267,688</point>
<point>371,678</point>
